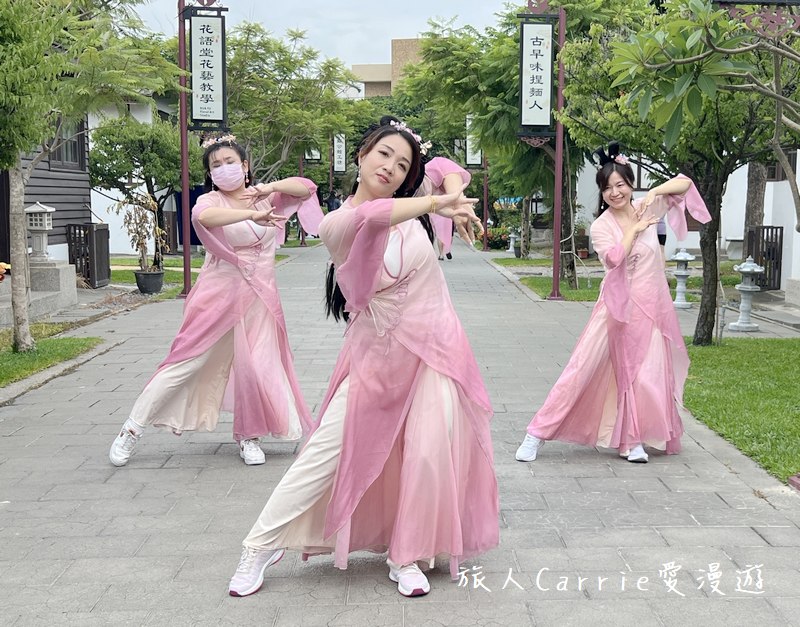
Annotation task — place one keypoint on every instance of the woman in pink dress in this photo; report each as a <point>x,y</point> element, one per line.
<point>623,385</point>
<point>401,460</point>
<point>231,351</point>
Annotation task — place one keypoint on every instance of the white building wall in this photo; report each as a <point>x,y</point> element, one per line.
<point>119,242</point>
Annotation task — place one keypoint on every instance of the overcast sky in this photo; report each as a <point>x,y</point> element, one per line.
<point>356,31</point>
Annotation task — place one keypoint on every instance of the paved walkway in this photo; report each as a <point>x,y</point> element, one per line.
<point>585,535</point>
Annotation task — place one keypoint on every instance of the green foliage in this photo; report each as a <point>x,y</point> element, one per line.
<point>142,162</point>
<point>128,154</point>
<point>74,57</point>
<point>282,98</point>
<point>744,391</point>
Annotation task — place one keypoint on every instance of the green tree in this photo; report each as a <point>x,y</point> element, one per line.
<point>59,60</point>
<point>464,71</point>
<point>132,157</point>
<point>686,60</point>
<point>282,98</point>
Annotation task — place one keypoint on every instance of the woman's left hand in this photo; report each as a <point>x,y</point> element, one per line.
<point>254,193</point>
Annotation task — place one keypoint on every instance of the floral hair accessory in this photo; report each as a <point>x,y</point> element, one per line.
<point>621,159</point>
<point>402,126</point>
<point>218,140</point>
<point>424,148</point>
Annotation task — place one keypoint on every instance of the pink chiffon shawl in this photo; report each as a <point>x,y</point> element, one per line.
<point>213,308</point>
<point>616,350</point>
<point>393,333</point>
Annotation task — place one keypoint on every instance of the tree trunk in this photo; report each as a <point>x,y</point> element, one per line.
<point>756,186</point>
<point>525,231</point>
<point>711,190</point>
<point>20,290</point>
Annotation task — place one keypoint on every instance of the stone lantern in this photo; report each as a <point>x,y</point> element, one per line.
<point>749,269</point>
<point>681,273</point>
<point>39,219</point>
<point>512,240</point>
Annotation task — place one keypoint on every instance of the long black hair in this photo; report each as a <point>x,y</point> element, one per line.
<point>335,301</point>
<point>208,184</point>
<point>608,165</point>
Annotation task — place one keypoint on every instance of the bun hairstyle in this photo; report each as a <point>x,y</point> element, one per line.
<point>335,301</point>
<point>608,163</point>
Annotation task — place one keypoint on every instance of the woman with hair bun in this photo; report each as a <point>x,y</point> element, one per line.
<point>231,351</point>
<point>401,460</point>
<point>623,385</point>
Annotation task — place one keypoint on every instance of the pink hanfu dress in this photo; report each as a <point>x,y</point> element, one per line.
<point>232,351</point>
<point>401,460</point>
<point>623,384</point>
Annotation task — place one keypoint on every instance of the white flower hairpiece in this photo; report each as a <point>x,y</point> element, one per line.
<point>402,126</point>
<point>424,148</point>
<point>218,140</point>
<point>621,160</point>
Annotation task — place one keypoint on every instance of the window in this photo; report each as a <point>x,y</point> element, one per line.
<point>70,151</point>
<point>775,171</point>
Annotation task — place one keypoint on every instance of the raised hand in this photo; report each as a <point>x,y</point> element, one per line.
<point>251,195</point>
<point>645,220</point>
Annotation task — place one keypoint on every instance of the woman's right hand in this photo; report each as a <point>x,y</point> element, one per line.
<point>266,217</point>
<point>454,204</point>
<point>646,220</point>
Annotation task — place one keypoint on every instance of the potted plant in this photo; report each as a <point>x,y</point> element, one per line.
<point>142,161</point>
<point>140,220</point>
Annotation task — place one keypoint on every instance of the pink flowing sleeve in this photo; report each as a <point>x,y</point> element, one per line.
<point>674,206</point>
<point>439,167</point>
<point>213,238</point>
<point>356,239</point>
<point>616,291</point>
<point>307,209</point>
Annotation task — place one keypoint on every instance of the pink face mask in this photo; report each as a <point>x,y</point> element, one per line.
<point>228,176</point>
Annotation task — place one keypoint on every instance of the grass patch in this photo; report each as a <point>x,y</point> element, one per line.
<point>747,391</point>
<point>513,261</point>
<point>543,286</point>
<point>49,351</point>
<point>169,262</point>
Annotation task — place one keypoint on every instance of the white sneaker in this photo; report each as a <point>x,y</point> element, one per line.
<point>529,448</point>
<point>638,455</point>
<point>122,446</point>
<point>251,452</point>
<point>249,575</point>
<point>410,580</point>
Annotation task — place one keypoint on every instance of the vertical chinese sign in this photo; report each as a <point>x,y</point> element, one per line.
<point>207,37</point>
<point>473,155</point>
<point>536,74</point>
<point>339,153</point>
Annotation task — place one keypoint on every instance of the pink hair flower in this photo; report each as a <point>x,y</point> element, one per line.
<point>621,159</point>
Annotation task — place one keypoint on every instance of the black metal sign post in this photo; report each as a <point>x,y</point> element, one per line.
<point>209,96</point>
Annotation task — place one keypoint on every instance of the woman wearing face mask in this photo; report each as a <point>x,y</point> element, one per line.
<point>623,385</point>
<point>231,351</point>
<point>401,460</point>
